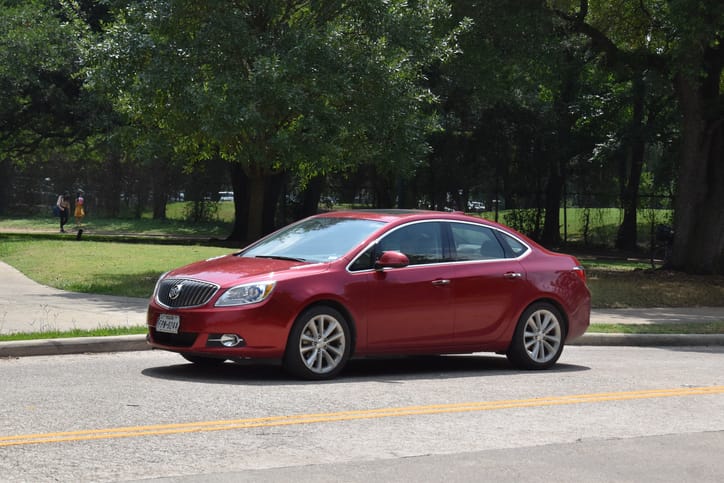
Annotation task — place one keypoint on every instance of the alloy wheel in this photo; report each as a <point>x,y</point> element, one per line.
<point>542,336</point>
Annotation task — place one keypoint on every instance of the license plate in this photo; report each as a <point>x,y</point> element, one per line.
<point>168,323</point>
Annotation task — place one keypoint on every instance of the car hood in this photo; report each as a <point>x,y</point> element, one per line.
<point>229,270</point>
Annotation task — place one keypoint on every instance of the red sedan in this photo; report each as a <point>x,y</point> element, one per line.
<point>361,283</point>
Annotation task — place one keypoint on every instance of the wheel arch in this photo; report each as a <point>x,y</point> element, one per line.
<point>552,301</point>
<point>522,343</point>
<point>335,304</point>
<point>559,307</point>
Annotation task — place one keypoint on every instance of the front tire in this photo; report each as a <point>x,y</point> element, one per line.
<point>319,344</point>
<point>539,337</point>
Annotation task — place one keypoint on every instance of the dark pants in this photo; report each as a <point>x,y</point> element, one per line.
<point>63,218</point>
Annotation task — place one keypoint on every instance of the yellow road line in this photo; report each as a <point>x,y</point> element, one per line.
<point>226,425</point>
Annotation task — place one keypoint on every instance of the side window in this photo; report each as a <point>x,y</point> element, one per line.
<point>421,242</point>
<point>473,242</point>
<point>516,247</point>
<point>366,261</point>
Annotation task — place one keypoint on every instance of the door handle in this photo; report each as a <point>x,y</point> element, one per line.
<point>441,282</point>
<point>513,275</point>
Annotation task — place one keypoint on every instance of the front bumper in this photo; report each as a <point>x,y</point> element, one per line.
<point>262,331</point>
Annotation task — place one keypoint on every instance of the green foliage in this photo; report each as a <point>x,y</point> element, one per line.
<point>527,221</point>
<point>429,102</point>
<point>277,85</point>
<point>38,58</point>
<point>202,210</point>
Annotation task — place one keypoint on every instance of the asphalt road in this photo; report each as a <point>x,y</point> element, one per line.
<point>604,414</point>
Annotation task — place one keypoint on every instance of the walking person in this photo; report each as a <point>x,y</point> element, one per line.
<point>79,211</point>
<point>63,205</point>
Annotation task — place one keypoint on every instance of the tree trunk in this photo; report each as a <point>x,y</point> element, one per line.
<point>109,188</point>
<point>311,196</point>
<point>274,184</point>
<point>257,196</point>
<point>551,235</point>
<point>382,185</point>
<point>6,169</point>
<point>159,187</point>
<point>627,239</point>
<point>699,217</point>
<point>560,154</point>
<point>239,183</point>
<point>159,205</point>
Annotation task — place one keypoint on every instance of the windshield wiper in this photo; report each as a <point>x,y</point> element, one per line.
<point>279,257</point>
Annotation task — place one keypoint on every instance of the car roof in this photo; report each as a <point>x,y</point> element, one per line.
<point>399,215</point>
<point>376,214</point>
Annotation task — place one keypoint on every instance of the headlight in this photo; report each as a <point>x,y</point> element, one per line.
<point>158,282</point>
<point>250,293</point>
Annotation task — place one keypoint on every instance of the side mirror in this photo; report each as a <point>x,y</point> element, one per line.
<point>392,259</point>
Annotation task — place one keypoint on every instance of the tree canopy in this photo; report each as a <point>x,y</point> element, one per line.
<point>276,86</point>
<point>426,103</point>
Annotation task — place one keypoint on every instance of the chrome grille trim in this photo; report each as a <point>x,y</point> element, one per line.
<point>192,293</point>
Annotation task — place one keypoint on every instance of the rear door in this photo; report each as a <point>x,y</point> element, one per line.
<point>488,287</point>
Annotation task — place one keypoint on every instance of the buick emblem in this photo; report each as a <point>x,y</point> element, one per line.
<point>175,291</point>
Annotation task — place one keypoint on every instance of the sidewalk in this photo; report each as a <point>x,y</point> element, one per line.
<point>26,306</point>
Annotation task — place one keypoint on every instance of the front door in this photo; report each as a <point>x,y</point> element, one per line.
<point>410,307</point>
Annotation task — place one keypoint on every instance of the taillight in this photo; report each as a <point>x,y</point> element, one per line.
<point>580,271</point>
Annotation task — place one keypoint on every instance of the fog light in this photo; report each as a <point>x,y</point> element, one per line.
<point>230,340</point>
<point>225,340</point>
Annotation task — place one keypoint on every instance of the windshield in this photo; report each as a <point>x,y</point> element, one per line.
<point>315,240</point>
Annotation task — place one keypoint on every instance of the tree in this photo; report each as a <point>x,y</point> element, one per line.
<point>510,111</point>
<point>683,41</point>
<point>40,104</point>
<point>275,86</point>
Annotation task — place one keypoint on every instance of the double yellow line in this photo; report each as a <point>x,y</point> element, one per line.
<point>227,425</point>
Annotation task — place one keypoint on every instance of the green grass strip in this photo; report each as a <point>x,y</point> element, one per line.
<point>63,334</point>
<point>687,328</point>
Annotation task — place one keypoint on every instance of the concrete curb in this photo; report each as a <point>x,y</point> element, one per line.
<point>649,340</point>
<point>126,343</point>
<point>74,345</point>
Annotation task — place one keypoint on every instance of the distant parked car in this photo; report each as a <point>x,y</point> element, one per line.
<point>476,206</point>
<point>359,283</point>
<point>226,196</point>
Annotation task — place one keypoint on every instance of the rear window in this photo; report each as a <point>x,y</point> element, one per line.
<point>475,242</point>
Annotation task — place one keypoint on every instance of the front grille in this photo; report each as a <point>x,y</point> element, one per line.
<point>184,339</point>
<point>179,292</point>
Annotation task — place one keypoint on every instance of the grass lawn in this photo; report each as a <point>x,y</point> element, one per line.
<point>699,328</point>
<point>632,283</point>
<point>173,226</point>
<point>127,269</point>
<point>64,334</point>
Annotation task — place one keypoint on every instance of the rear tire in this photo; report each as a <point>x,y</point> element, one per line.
<point>539,337</point>
<point>319,344</point>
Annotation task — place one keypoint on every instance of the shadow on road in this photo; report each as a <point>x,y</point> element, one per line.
<point>391,370</point>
